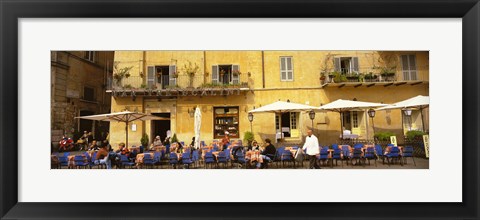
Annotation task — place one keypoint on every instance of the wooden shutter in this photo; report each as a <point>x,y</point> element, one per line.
<point>413,67</point>
<point>214,74</point>
<point>336,64</point>
<point>405,67</point>
<point>289,68</point>
<point>172,69</point>
<point>355,65</point>
<point>235,77</point>
<point>150,76</point>
<point>283,68</point>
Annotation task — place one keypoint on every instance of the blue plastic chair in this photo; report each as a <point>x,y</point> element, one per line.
<point>408,152</point>
<point>222,158</point>
<point>157,157</point>
<point>125,162</point>
<point>393,155</point>
<point>337,155</point>
<point>80,161</point>
<point>227,154</point>
<point>370,155</point>
<point>186,160</point>
<point>335,147</point>
<point>148,160</point>
<point>208,159</point>
<point>379,153</point>
<point>346,153</point>
<point>195,156</point>
<point>323,158</point>
<point>240,158</point>
<point>173,159</point>
<point>286,156</point>
<point>63,160</point>
<point>357,155</point>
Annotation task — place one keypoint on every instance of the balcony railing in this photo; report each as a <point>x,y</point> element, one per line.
<point>372,75</point>
<point>180,82</point>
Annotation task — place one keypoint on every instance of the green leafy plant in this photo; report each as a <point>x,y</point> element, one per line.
<point>190,69</point>
<point>370,75</point>
<point>412,135</point>
<point>143,86</point>
<point>128,86</point>
<point>248,137</point>
<point>119,73</point>
<point>338,77</point>
<point>383,136</point>
<point>174,138</point>
<point>144,140</point>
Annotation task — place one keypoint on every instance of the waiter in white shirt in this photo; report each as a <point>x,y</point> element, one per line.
<point>312,148</point>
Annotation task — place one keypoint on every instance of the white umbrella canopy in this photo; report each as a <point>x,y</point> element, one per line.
<point>197,126</point>
<point>419,101</point>
<point>125,116</point>
<point>281,106</point>
<point>341,106</point>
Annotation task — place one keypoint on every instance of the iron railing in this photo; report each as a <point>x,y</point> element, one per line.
<point>177,82</point>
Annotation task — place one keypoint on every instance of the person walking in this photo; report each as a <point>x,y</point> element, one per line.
<point>312,148</point>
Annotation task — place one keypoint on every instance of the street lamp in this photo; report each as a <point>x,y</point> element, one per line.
<point>371,113</point>
<point>250,118</point>
<point>311,114</point>
<point>408,113</point>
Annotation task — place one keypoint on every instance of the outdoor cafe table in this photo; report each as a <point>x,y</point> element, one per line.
<point>71,160</point>
<point>139,159</point>
<point>253,156</point>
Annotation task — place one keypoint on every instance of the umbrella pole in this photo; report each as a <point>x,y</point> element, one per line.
<point>341,125</point>
<point>126,134</point>
<point>421,115</point>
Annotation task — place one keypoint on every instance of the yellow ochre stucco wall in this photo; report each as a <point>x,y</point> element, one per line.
<point>261,69</point>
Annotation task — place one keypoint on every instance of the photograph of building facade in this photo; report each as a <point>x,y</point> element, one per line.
<point>226,85</point>
<point>78,88</point>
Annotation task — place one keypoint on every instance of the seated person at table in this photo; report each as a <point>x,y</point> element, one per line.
<point>157,143</point>
<point>254,146</point>
<point>268,153</point>
<point>122,150</point>
<point>176,147</point>
<point>66,144</point>
<point>225,141</point>
<point>93,145</point>
<point>103,157</point>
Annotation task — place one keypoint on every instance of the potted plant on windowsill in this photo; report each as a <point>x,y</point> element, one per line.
<point>370,77</point>
<point>190,70</point>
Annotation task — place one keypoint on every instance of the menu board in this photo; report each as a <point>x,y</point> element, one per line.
<point>225,119</point>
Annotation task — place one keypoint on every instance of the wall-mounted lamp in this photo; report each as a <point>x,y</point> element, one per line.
<point>191,112</point>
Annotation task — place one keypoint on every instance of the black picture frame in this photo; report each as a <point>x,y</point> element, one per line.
<point>11,11</point>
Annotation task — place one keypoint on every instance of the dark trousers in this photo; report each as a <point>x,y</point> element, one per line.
<point>313,162</point>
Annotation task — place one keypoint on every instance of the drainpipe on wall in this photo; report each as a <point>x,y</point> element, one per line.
<point>144,69</point>
<point>263,69</point>
<point>204,66</point>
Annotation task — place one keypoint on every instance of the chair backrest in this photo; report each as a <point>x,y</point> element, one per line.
<point>66,154</point>
<point>378,149</point>
<point>202,143</point>
<point>157,155</point>
<point>390,145</point>
<point>173,156</point>
<point>370,153</point>
<point>227,153</point>
<point>336,153</point>
<point>335,146</point>
<point>182,143</point>
<point>147,157</point>
<point>346,151</point>
<point>408,149</point>
<point>123,158</point>
<point>209,157</point>
<point>357,146</point>
<point>195,155</point>
<point>186,156</point>
<point>79,158</point>
<point>357,152</point>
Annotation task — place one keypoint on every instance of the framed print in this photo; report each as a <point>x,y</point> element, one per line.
<point>277,109</point>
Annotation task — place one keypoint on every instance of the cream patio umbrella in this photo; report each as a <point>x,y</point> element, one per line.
<point>197,126</point>
<point>421,102</point>
<point>341,106</point>
<point>125,116</point>
<point>283,107</point>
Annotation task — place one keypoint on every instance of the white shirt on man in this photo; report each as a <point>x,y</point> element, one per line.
<point>311,145</point>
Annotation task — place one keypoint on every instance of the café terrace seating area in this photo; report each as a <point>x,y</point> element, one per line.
<point>335,156</point>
